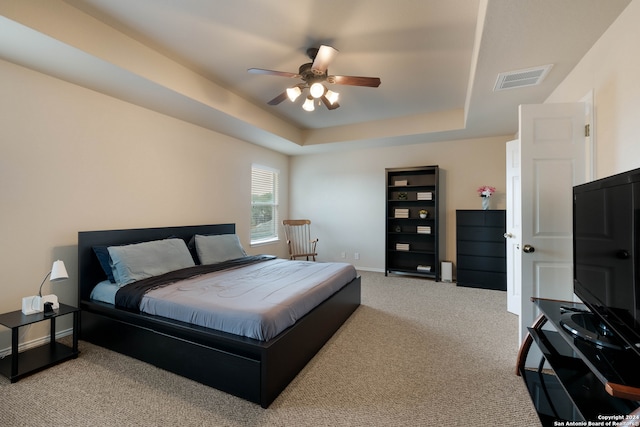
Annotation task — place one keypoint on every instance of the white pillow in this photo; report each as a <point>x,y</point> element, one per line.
<point>141,260</point>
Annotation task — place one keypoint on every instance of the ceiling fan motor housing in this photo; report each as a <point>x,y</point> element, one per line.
<point>309,75</point>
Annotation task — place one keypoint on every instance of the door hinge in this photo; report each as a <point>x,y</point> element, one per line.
<point>587,130</point>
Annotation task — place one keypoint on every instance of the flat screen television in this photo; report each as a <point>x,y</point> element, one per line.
<point>606,253</point>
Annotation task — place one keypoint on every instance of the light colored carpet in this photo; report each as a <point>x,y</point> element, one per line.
<point>416,353</point>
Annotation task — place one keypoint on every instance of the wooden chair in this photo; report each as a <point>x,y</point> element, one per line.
<point>298,235</point>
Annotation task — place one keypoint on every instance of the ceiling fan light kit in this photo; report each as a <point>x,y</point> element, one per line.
<point>314,75</point>
<point>316,90</point>
<point>332,96</point>
<point>308,104</point>
<point>293,93</point>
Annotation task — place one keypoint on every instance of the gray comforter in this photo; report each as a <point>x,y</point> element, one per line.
<point>257,301</point>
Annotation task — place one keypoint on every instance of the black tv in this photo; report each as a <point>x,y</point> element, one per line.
<point>606,253</point>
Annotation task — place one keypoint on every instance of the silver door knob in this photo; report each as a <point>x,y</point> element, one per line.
<point>508,236</point>
<point>528,249</point>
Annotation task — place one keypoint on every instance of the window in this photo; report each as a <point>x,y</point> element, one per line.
<point>264,204</point>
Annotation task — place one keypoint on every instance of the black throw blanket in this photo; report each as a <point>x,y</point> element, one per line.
<point>130,296</point>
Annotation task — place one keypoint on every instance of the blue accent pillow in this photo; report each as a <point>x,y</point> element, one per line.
<point>102,253</point>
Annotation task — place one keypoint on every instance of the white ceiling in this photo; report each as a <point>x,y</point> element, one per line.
<point>438,61</point>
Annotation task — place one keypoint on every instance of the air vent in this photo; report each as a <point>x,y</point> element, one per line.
<point>522,78</point>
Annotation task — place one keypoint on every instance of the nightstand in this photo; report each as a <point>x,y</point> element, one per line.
<point>18,365</point>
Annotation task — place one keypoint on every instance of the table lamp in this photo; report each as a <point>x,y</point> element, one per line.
<point>38,303</point>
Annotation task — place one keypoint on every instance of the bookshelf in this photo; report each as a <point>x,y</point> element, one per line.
<point>412,219</point>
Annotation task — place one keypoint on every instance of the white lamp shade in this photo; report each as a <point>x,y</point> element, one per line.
<point>316,90</point>
<point>331,96</point>
<point>293,93</point>
<point>58,271</point>
<point>308,104</point>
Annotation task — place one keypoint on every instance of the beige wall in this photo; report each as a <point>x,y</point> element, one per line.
<point>72,159</point>
<point>611,69</point>
<point>344,193</point>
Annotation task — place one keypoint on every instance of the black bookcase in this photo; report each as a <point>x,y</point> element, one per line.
<point>411,238</point>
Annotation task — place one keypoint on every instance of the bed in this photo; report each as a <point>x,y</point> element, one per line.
<point>253,369</point>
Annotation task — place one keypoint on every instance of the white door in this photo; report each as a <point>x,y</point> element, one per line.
<point>513,233</point>
<point>552,161</point>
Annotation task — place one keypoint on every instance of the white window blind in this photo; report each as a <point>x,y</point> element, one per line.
<point>264,204</point>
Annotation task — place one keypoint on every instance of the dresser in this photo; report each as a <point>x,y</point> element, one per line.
<point>480,249</point>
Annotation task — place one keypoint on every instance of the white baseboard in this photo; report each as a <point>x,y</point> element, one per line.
<point>35,342</point>
<point>375,270</point>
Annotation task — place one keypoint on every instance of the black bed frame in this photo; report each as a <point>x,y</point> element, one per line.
<point>254,370</point>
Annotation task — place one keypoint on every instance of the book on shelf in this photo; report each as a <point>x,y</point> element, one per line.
<point>401,213</point>
<point>425,195</point>
<point>402,246</point>
<point>424,229</point>
<point>425,268</point>
<point>401,183</point>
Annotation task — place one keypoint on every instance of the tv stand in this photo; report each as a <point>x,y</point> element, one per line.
<point>588,381</point>
<point>589,327</point>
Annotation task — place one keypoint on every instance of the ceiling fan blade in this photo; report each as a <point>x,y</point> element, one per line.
<point>355,81</point>
<point>273,73</point>
<point>328,104</point>
<point>323,58</point>
<point>278,99</point>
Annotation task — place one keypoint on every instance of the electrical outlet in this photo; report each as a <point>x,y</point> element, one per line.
<point>356,255</point>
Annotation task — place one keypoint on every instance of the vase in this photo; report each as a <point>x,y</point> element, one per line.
<point>485,203</point>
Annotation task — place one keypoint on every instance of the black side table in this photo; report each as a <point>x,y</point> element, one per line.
<point>19,365</point>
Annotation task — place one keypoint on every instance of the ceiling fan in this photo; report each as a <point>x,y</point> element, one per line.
<point>314,74</point>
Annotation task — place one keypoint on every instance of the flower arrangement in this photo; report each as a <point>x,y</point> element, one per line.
<point>423,212</point>
<point>486,191</point>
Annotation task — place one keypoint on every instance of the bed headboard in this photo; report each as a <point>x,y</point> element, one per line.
<point>89,271</point>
